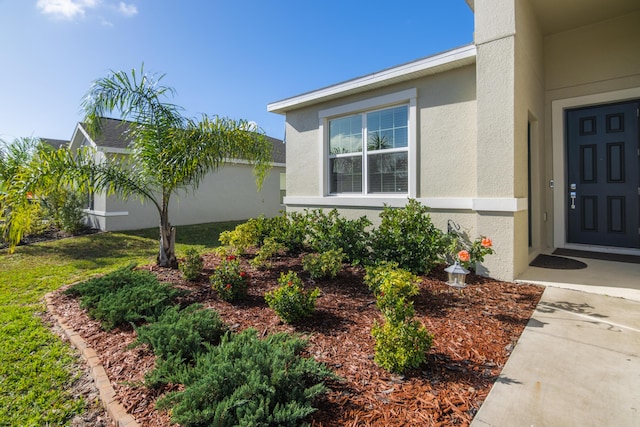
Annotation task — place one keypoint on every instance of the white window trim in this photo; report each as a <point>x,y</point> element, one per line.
<point>408,96</point>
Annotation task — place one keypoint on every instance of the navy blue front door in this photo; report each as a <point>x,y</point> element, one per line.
<point>603,187</point>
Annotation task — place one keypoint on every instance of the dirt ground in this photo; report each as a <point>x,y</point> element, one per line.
<point>474,334</point>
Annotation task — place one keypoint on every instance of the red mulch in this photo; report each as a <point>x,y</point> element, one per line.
<point>474,331</point>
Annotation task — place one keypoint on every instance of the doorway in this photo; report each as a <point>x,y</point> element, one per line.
<point>602,188</point>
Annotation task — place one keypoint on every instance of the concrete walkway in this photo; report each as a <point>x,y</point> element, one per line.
<point>577,363</point>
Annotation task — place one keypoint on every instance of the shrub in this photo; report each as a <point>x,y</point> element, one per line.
<point>400,346</point>
<point>408,237</point>
<point>65,208</point>
<point>290,301</point>
<point>182,333</point>
<point>290,229</point>
<point>394,288</point>
<point>229,280</point>
<point>92,290</point>
<point>401,342</point>
<point>125,296</point>
<point>326,264</point>
<point>192,265</point>
<point>330,231</point>
<point>245,235</point>
<point>248,382</point>
<point>270,249</point>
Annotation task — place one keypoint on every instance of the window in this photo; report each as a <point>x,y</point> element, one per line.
<point>368,152</point>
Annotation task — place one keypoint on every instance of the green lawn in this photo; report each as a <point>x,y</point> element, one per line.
<point>36,368</point>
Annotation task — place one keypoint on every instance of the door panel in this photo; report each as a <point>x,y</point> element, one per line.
<point>603,194</point>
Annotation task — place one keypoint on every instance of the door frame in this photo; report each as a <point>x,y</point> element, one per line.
<point>560,200</point>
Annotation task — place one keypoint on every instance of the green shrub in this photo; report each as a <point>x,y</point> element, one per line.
<point>401,342</point>
<point>269,249</point>
<point>290,300</point>
<point>407,236</point>
<point>125,296</point>
<point>244,236</point>
<point>327,264</point>
<point>400,346</point>
<point>65,208</point>
<point>229,280</point>
<point>393,288</point>
<point>246,381</point>
<point>330,231</point>
<point>192,265</point>
<point>92,290</point>
<point>182,333</point>
<point>290,229</point>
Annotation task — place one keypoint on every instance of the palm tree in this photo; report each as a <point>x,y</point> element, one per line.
<point>19,209</point>
<point>169,152</point>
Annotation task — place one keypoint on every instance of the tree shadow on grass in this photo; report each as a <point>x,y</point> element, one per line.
<point>98,250</point>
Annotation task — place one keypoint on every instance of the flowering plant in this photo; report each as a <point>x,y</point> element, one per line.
<point>229,280</point>
<point>465,252</point>
<point>290,300</point>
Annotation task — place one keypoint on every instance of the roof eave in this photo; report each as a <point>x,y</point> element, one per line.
<point>444,61</point>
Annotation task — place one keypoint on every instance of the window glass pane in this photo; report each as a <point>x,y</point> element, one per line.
<point>345,135</point>
<point>346,175</point>
<point>388,173</point>
<point>387,128</point>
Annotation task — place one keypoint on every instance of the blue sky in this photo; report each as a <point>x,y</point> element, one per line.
<point>229,58</point>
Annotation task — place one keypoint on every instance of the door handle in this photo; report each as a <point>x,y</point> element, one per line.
<point>572,195</point>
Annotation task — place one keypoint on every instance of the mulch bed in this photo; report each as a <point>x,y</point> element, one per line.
<point>474,334</point>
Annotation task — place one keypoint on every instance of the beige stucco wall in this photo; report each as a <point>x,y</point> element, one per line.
<point>496,44</point>
<point>446,134</point>
<point>226,195</point>
<point>528,109</point>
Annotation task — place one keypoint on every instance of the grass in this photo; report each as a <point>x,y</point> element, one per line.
<point>36,368</point>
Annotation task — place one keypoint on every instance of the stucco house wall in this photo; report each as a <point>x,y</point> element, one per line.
<point>230,194</point>
<point>489,121</point>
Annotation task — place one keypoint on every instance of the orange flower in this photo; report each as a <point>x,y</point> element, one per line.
<point>243,274</point>
<point>228,286</point>
<point>231,258</point>
<point>486,242</point>
<point>464,256</point>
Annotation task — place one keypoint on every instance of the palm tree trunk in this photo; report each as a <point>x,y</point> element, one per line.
<point>167,254</point>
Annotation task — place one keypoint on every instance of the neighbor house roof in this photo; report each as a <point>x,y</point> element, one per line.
<point>115,135</point>
<point>434,64</point>
<point>55,143</point>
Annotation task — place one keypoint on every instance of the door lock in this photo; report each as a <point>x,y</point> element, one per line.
<point>572,195</point>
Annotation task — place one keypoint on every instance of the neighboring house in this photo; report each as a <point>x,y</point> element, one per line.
<point>227,194</point>
<point>528,136</point>
<point>55,143</point>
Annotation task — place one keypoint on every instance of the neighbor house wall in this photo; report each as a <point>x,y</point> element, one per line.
<point>226,195</point>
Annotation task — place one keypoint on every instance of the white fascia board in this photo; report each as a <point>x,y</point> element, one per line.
<point>104,213</point>
<point>80,130</point>
<point>113,150</point>
<point>430,65</point>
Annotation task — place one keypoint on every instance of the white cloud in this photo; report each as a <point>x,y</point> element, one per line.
<point>127,9</point>
<point>65,9</point>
